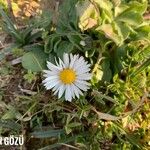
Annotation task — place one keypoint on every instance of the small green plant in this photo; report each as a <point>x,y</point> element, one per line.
<point>30,76</point>
<point>17,52</point>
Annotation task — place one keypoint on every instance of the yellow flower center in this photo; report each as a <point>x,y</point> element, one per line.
<point>67,76</point>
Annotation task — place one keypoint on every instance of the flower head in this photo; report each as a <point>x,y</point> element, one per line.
<point>69,76</point>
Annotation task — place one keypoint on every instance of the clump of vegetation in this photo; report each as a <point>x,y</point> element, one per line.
<point>114,38</point>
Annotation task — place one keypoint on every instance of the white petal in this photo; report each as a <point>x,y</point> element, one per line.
<point>50,73</point>
<point>72,91</point>
<point>61,64</point>
<point>66,60</point>
<point>61,91</point>
<point>81,86</point>
<point>82,65</point>
<point>76,90</point>
<point>52,66</point>
<point>83,82</point>
<point>68,95</point>
<point>82,70</point>
<point>50,85</point>
<point>56,86</point>
<point>72,60</point>
<point>50,78</point>
<point>79,62</point>
<point>86,76</point>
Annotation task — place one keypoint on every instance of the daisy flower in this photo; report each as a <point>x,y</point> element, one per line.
<point>69,76</point>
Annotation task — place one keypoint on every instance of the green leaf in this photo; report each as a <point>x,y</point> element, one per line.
<point>107,8</point>
<point>68,19</point>
<point>34,36</point>
<point>123,30</point>
<point>64,47</point>
<point>138,7</point>
<point>52,57</point>
<point>44,21</point>
<point>143,32</point>
<point>107,74</point>
<point>46,134</point>
<point>75,40</point>
<point>51,42</point>
<point>118,59</point>
<point>34,47</point>
<point>130,17</point>
<point>9,27</point>
<point>34,60</point>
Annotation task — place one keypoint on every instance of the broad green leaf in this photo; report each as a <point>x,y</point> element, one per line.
<point>75,40</point>
<point>52,57</point>
<point>44,21</point>
<point>34,36</point>
<point>138,7</point>
<point>34,60</point>
<point>130,17</point>
<point>51,42</point>
<point>33,47</point>
<point>107,7</point>
<point>123,30</point>
<point>107,73</point>
<point>143,32</point>
<point>119,9</point>
<point>118,58</point>
<point>64,47</point>
<point>68,19</point>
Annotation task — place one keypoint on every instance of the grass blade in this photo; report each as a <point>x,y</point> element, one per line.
<point>47,134</point>
<point>141,68</point>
